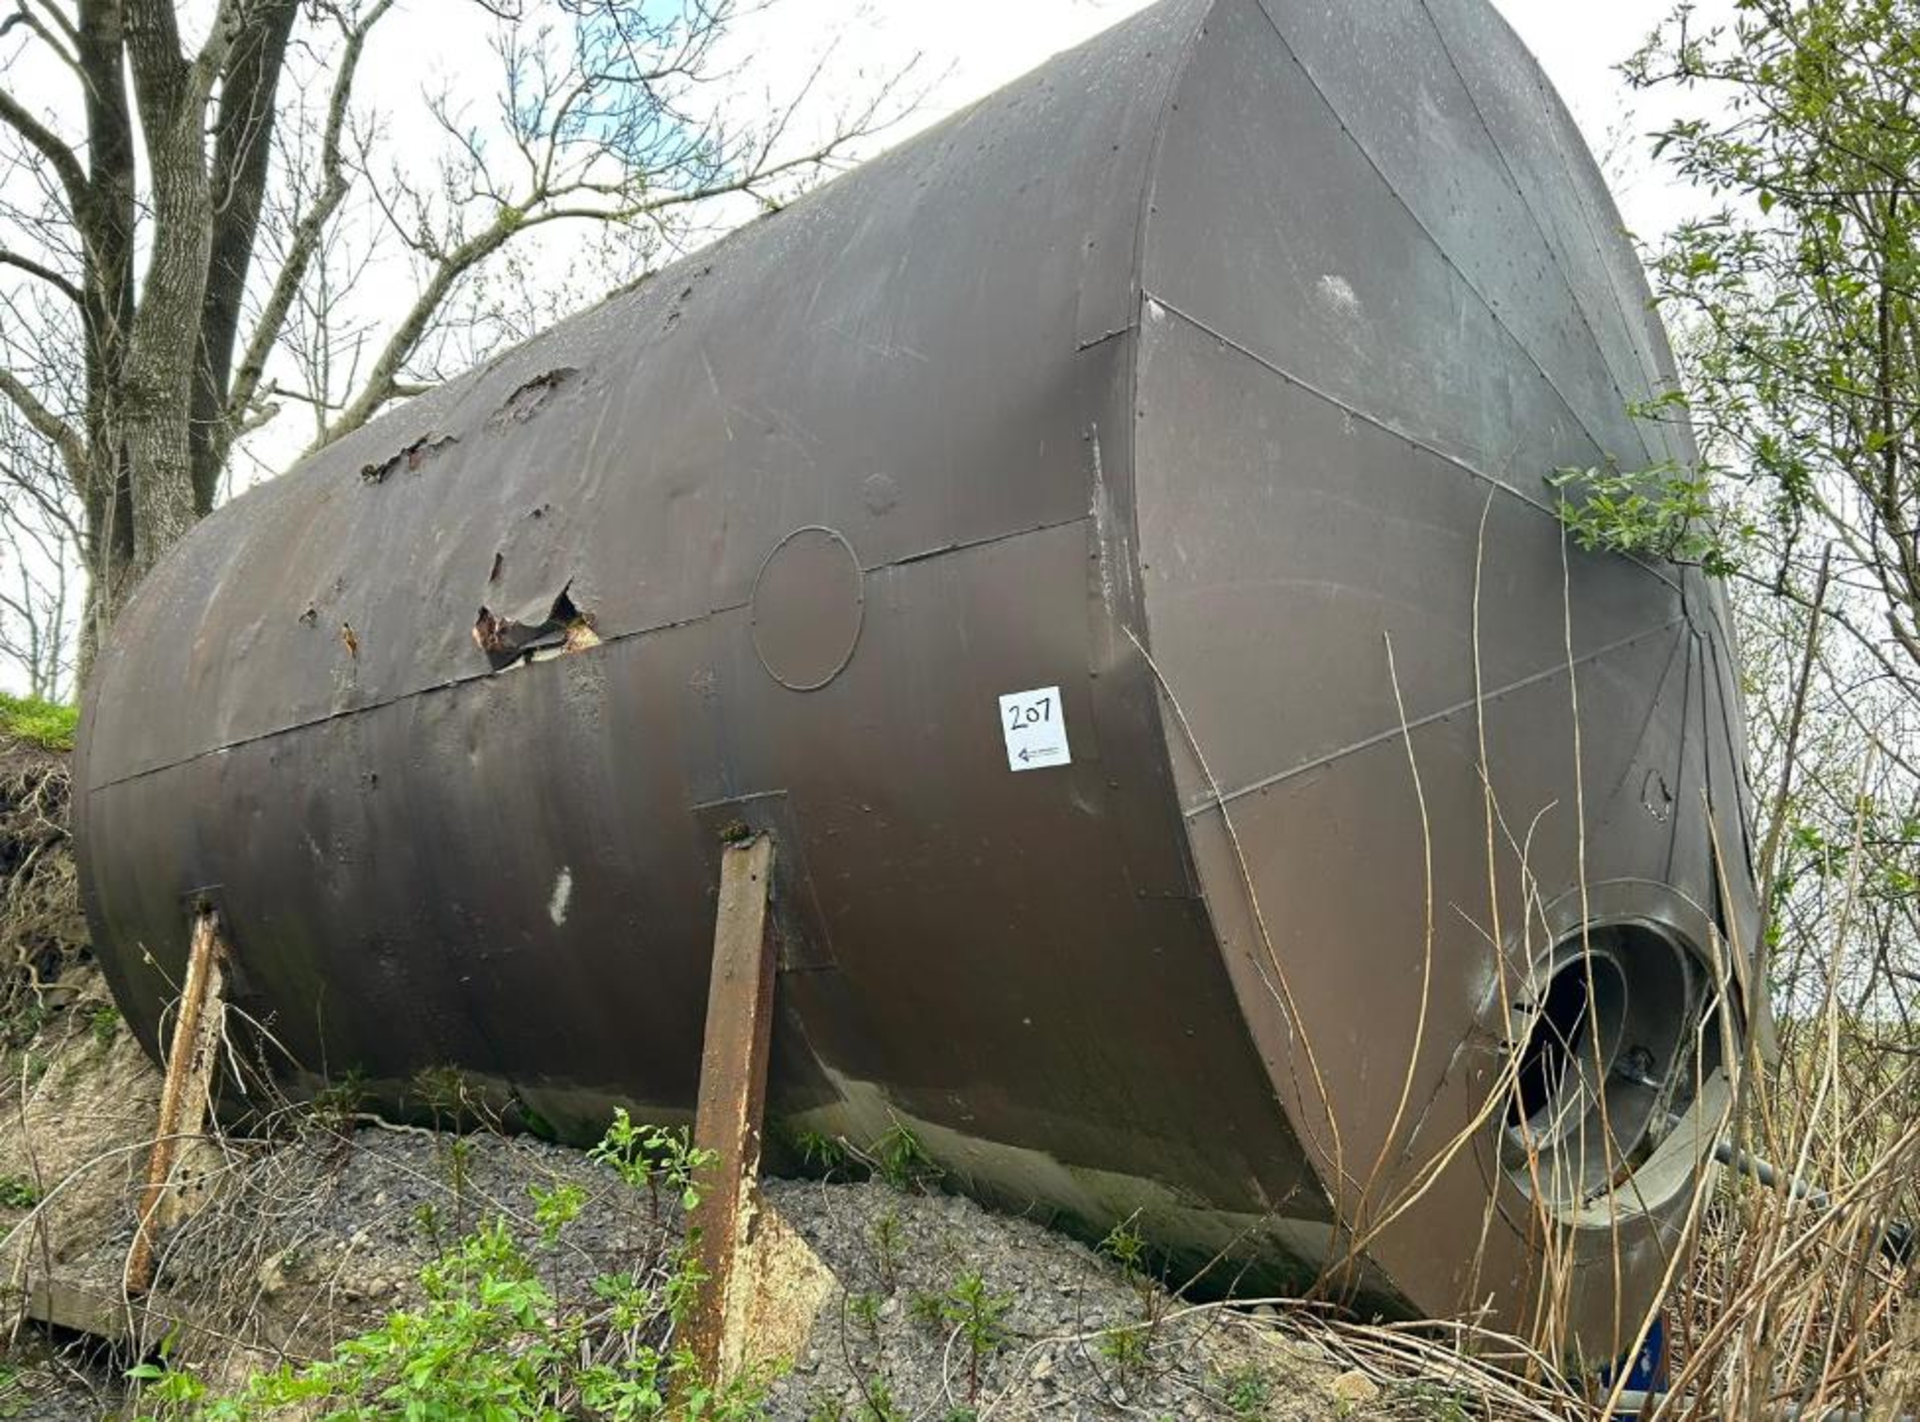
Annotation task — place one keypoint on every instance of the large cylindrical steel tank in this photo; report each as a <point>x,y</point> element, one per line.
<point>1107,541</point>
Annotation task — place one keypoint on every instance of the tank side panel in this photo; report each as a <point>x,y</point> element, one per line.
<point>1273,227</point>
<point>1403,103</point>
<point>1540,146</point>
<point>1352,574</point>
<point>1262,199</point>
<point>425,861</point>
<point>1365,549</point>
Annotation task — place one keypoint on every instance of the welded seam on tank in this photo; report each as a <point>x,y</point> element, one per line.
<point>1386,426</point>
<point>1731,739</point>
<point>1623,785</point>
<point>1129,504</point>
<point>1648,368</point>
<point>1393,733</point>
<point>1713,695</point>
<point>1709,701</point>
<point>1680,773</point>
<point>1439,246</point>
<point>611,639</point>
<point>1653,332</point>
<point>1156,147</point>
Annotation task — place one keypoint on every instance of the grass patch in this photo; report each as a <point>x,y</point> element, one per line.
<point>104,1024</point>
<point>42,723</point>
<point>17,1193</point>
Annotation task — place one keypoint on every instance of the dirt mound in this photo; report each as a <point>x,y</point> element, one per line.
<point>76,1113</point>
<point>937,1308</point>
<point>42,929</point>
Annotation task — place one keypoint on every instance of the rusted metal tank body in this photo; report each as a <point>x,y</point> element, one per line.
<point>1199,389</point>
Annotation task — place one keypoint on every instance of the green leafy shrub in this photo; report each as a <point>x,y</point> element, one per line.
<point>1125,1246</point>
<point>1665,511</point>
<point>1126,1346</point>
<point>18,1193</point>
<point>901,1161</point>
<point>820,1151</point>
<point>977,1313</point>
<point>1247,1392</point>
<point>888,1245</point>
<point>104,1024</point>
<point>646,1156</point>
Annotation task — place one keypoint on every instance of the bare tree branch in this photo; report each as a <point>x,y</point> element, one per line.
<point>73,449</point>
<point>45,273</point>
<point>47,143</point>
<point>334,187</point>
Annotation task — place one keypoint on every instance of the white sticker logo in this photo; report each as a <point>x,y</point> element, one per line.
<point>1035,727</point>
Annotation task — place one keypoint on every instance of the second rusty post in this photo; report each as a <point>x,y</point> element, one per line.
<point>733,1089</point>
<point>184,1094</point>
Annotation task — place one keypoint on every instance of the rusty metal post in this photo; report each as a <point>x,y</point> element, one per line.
<point>183,1095</point>
<point>733,1089</point>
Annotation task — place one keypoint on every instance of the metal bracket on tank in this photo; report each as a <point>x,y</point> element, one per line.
<point>238,987</point>
<point>804,943</point>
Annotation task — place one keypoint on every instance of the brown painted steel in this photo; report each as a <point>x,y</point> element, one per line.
<point>1203,384</point>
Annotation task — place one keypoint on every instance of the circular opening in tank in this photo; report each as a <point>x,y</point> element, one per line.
<point>1612,1044</point>
<point>1574,1038</point>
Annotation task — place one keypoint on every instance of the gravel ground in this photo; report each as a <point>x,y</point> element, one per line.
<point>308,1245</point>
<point>323,1238</point>
<point>311,1242</point>
<point>1072,1335</point>
<point>938,1308</point>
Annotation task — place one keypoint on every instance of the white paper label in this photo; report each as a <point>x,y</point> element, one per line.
<point>1035,727</point>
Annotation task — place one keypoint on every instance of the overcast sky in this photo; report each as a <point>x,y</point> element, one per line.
<point>983,44</point>
<point>974,48</point>
<point>970,49</point>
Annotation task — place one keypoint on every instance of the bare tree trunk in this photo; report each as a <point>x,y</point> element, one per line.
<point>164,351</point>
<point>157,392</point>
<point>243,147</point>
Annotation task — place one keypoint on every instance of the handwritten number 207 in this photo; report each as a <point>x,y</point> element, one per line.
<point>1031,714</point>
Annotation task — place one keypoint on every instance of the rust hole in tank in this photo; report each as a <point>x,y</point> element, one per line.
<point>410,459</point>
<point>529,398</point>
<point>510,641</point>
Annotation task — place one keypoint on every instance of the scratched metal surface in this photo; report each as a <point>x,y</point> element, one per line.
<point>1217,338</point>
